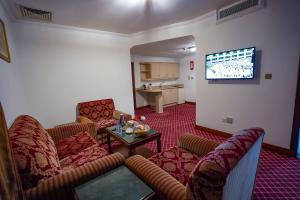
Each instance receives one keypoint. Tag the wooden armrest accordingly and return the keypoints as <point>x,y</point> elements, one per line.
<point>117,113</point>
<point>197,144</point>
<point>82,119</point>
<point>159,180</point>
<point>61,132</point>
<point>55,187</point>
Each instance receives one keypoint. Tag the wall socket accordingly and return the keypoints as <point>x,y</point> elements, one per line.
<point>228,120</point>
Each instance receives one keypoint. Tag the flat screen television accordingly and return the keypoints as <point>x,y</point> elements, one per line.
<point>234,64</point>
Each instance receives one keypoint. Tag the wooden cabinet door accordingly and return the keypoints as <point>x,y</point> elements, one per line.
<point>173,95</point>
<point>169,70</point>
<point>170,96</point>
<point>155,71</point>
<point>176,70</point>
<point>165,95</point>
<point>164,70</point>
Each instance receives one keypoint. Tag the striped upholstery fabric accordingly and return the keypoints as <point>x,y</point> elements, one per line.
<point>61,186</point>
<point>196,144</point>
<point>163,183</point>
<point>62,132</point>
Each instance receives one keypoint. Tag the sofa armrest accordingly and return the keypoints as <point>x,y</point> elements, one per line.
<point>82,119</point>
<point>61,132</point>
<point>55,187</point>
<point>196,144</point>
<point>116,115</point>
<point>159,180</point>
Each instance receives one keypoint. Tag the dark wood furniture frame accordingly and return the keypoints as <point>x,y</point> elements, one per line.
<point>133,145</point>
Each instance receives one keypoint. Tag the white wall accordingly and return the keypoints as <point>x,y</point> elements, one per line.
<point>55,67</point>
<point>141,98</point>
<point>275,31</point>
<point>188,78</point>
<point>11,90</point>
<point>61,67</point>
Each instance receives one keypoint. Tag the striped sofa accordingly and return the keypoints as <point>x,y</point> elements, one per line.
<point>102,113</point>
<point>199,168</point>
<point>38,163</point>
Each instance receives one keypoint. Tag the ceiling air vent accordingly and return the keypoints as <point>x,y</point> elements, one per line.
<point>239,8</point>
<point>36,14</point>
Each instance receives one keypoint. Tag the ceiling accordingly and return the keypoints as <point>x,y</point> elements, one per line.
<point>121,16</point>
<point>173,48</point>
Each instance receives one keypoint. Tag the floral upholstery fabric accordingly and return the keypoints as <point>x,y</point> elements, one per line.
<point>100,112</point>
<point>102,124</point>
<point>177,162</point>
<point>209,176</point>
<point>97,110</point>
<point>34,151</point>
<point>85,156</point>
<point>72,145</point>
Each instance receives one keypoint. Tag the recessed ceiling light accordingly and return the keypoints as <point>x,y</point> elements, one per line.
<point>192,49</point>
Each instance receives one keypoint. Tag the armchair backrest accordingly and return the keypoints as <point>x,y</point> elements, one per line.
<point>10,183</point>
<point>96,110</point>
<point>229,171</point>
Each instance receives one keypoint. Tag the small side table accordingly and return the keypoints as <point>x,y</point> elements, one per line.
<point>116,184</point>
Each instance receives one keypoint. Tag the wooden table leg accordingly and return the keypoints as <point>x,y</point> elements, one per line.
<point>158,144</point>
<point>159,103</point>
<point>130,151</point>
<point>109,143</point>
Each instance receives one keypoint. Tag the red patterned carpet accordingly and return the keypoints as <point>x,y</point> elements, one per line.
<point>278,176</point>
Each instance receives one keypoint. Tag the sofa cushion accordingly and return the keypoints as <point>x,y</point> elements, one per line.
<point>102,124</point>
<point>85,156</point>
<point>209,176</point>
<point>34,151</point>
<point>177,162</point>
<point>96,110</point>
<point>74,144</point>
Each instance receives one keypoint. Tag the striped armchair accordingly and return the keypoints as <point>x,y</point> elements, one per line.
<point>202,169</point>
<point>102,113</point>
<point>38,163</point>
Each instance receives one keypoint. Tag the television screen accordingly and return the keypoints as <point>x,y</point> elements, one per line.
<point>235,64</point>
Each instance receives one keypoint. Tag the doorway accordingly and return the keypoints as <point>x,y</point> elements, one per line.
<point>167,65</point>
<point>133,85</point>
<point>295,141</point>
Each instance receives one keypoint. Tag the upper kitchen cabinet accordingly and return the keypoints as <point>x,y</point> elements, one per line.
<point>159,71</point>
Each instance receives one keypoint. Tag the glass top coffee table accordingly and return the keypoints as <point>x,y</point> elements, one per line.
<point>119,183</point>
<point>131,141</point>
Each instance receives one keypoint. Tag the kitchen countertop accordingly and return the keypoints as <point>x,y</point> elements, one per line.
<point>157,89</point>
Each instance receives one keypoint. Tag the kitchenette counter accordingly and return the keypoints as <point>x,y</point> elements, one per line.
<point>162,95</point>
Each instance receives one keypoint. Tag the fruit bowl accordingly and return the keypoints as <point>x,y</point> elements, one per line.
<point>141,130</point>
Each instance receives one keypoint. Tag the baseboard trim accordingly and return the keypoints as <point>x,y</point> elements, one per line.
<point>190,102</point>
<point>148,106</point>
<point>266,146</point>
<point>214,131</point>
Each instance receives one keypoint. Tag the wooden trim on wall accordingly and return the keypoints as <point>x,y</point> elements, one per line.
<point>148,106</point>
<point>133,84</point>
<point>266,146</point>
<point>190,102</point>
<point>214,131</point>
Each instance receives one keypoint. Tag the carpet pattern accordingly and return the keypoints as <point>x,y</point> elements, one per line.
<point>278,176</point>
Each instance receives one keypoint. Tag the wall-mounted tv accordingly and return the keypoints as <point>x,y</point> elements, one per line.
<point>234,64</point>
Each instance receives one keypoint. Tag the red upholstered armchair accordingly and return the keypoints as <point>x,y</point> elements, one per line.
<point>200,169</point>
<point>102,113</point>
<point>47,164</point>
